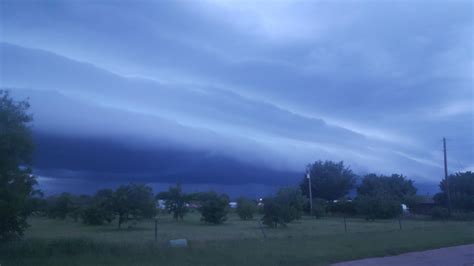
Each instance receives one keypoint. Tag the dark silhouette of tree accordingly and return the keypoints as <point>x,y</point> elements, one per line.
<point>285,207</point>
<point>62,206</point>
<point>16,181</point>
<point>175,201</point>
<point>214,207</point>
<point>461,186</point>
<point>382,196</point>
<point>133,202</point>
<point>100,208</point>
<point>329,180</point>
<point>246,208</point>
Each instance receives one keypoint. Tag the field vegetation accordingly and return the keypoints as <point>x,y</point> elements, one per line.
<point>308,241</point>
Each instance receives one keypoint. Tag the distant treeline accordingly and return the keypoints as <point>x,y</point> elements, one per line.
<point>378,197</point>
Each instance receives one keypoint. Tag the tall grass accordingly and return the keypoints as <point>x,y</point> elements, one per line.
<point>320,243</point>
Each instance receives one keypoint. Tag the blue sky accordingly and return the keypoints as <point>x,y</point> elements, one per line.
<point>267,84</point>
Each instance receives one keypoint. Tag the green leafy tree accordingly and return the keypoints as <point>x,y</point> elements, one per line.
<point>378,207</point>
<point>99,210</point>
<point>285,207</point>
<point>246,208</point>
<point>62,206</point>
<point>461,187</point>
<point>93,215</point>
<point>133,202</point>
<point>79,204</point>
<point>273,213</point>
<point>329,180</point>
<point>16,181</point>
<point>175,201</point>
<point>214,207</point>
<point>382,196</point>
<point>395,186</point>
<point>293,201</point>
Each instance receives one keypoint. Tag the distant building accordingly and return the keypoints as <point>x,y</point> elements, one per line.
<point>424,206</point>
<point>233,204</point>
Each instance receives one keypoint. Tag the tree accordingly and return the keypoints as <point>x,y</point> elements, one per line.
<point>293,201</point>
<point>99,210</point>
<point>285,207</point>
<point>61,206</point>
<point>175,201</point>
<point>272,213</point>
<point>79,204</point>
<point>246,208</point>
<point>382,196</point>
<point>133,202</point>
<point>461,187</point>
<point>378,207</point>
<point>319,207</point>
<point>396,186</point>
<point>329,180</point>
<point>16,181</point>
<point>214,207</point>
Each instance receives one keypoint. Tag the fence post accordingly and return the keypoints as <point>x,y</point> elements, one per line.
<point>400,222</point>
<point>156,229</point>
<point>262,229</point>
<point>345,225</point>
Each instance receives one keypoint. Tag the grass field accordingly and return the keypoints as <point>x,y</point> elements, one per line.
<point>306,242</point>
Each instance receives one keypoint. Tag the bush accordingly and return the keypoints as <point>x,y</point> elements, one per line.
<point>344,207</point>
<point>272,213</point>
<point>93,215</point>
<point>214,207</point>
<point>246,208</point>
<point>378,207</point>
<point>319,208</point>
<point>439,213</point>
<point>285,207</point>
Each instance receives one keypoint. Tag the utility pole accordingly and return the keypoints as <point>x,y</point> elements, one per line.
<point>308,175</point>
<point>446,179</point>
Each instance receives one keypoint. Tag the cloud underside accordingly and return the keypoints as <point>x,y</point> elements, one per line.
<point>191,93</point>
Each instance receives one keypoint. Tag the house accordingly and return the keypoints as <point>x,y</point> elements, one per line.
<point>424,206</point>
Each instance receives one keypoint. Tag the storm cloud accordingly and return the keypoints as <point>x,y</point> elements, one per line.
<point>241,92</point>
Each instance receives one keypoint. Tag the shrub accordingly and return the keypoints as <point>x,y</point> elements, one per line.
<point>272,213</point>
<point>285,207</point>
<point>343,207</point>
<point>439,213</point>
<point>319,207</point>
<point>378,207</point>
<point>214,207</point>
<point>246,208</point>
<point>93,216</point>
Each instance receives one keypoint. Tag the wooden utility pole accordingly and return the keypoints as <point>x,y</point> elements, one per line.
<point>308,175</point>
<point>446,179</point>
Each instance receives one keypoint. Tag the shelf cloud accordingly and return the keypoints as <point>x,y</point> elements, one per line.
<point>237,92</point>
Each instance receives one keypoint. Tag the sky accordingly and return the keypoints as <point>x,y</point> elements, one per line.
<point>240,95</point>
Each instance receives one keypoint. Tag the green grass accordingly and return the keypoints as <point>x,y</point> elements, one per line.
<point>306,242</point>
